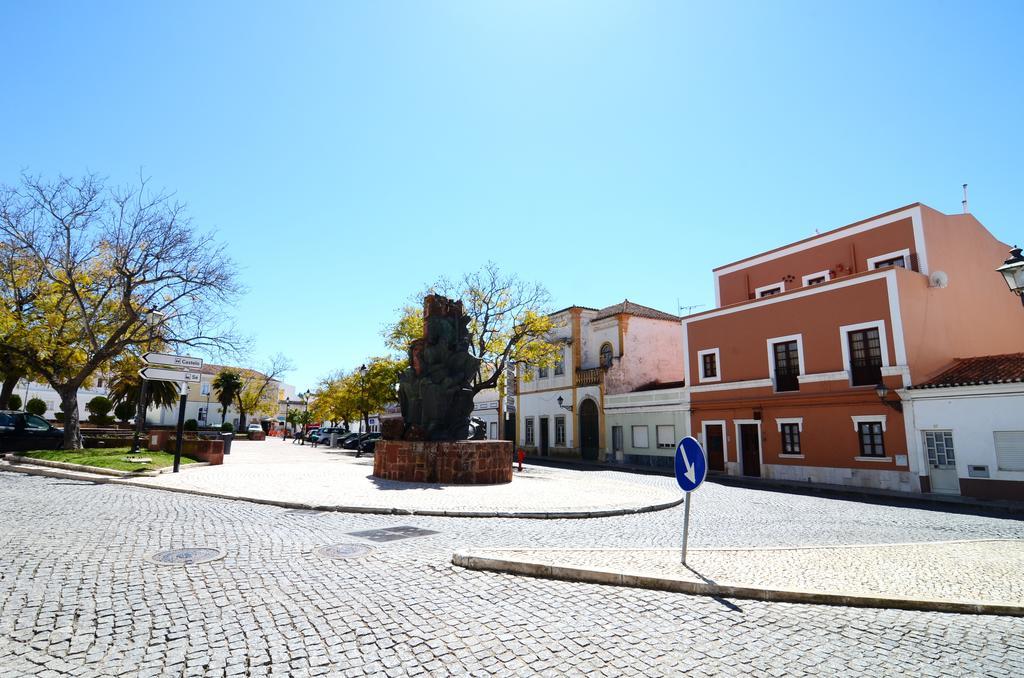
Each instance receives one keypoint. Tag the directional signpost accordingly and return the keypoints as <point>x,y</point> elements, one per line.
<point>691,470</point>
<point>171,369</point>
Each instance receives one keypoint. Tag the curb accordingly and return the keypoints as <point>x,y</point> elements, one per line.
<point>612,578</point>
<point>376,510</point>
<point>834,491</point>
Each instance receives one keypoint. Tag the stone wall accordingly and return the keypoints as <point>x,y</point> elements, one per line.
<point>463,462</point>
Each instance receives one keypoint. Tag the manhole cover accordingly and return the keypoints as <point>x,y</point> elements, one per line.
<point>343,551</point>
<point>190,556</point>
<point>393,533</point>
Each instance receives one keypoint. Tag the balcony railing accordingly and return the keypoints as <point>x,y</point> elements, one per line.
<point>865,374</point>
<point>591,377</point>
<point>787,381</point>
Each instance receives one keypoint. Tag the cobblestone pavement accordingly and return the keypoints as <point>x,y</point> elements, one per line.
<point>78,597</point>
<point>276,470</point>
<point>987,571</point>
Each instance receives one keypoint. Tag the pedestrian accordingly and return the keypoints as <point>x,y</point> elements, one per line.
<point>521,455</point>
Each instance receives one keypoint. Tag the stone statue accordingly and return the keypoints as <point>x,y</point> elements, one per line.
<point>435,391</point>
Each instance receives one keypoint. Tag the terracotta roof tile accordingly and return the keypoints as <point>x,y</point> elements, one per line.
<point>630,308</point>
<point>988,369</point>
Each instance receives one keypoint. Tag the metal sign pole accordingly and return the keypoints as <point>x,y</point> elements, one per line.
<point>140,415</point>
<point>181,426</point>
<point>686,523</point>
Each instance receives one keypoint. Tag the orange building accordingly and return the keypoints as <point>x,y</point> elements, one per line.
<point>782,374</point>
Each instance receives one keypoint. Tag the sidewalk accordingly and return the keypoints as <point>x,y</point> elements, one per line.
<point>801,487</point>
<point>299,476</point>
<point>980,577</point>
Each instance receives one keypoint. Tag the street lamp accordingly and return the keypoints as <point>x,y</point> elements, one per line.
<point>882,390</point>
<point>305,418</point>
<point>1013,272</point>
<point>564,407</point>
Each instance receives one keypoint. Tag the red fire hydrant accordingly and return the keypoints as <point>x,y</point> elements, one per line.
<point>522,455</point>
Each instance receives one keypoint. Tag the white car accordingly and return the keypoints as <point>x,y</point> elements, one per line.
<point>254,428</point>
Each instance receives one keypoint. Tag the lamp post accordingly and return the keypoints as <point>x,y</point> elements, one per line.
<point>564,407</point>
<point>882,391</point>
<point>305,417</point>
<point>1013,272</point>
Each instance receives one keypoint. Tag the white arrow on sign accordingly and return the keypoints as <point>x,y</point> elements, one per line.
<point>172,360</point>
<point>690,472</point>
<point>157,374</point>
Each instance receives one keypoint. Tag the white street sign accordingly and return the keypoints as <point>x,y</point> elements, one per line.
<point>157,374</point>
<point>181,361</point>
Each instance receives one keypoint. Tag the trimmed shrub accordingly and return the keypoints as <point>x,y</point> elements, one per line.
<point>227,427</point>
<point>99,410</point>
<point>36,406</point>
<point>58,416</point>
<point>191,425</point>
<point>14,403</point>
<point>124,411</point>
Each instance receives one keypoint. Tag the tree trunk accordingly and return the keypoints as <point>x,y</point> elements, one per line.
<point>366,422</point>
<point>241,421</point>
<point>72,431</point>
<point>7,390</point>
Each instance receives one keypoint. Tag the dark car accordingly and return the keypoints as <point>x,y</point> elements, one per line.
<point>368,444</point>
<point>347,438</point>
<point>352,442</point>
<point>21,432</point>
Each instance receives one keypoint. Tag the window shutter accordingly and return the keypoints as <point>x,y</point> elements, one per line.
<point>1009,450</point>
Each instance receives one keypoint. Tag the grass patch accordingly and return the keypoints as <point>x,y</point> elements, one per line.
<point>109,457</point>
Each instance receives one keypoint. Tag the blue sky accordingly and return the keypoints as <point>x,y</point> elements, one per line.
<point>352,151</point>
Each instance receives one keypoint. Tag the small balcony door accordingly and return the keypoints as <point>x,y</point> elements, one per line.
<point>787,366</point>
<point>865,357</point>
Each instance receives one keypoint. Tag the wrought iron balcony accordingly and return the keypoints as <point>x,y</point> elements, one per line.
<point>591,377</point>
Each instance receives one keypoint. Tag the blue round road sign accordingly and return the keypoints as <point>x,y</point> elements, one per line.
<point>691,464</point>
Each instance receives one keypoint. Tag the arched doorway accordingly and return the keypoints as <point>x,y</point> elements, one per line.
<point>589,427</point>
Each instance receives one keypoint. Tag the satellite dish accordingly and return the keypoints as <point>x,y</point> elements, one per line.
<point>938,279</point>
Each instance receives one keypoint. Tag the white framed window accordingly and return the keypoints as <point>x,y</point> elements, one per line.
<point>560,363</point>
<point>798,421</point>
<point>770,290</point>
<point>1009,450</point>
<point>708,368</point>
<point>665,436</point>
<point>868,419</point>
<point>529,430</point>
<point>869,354</point>
<point>542,372</point>
<point>786,361</point>
<point>816,278</point>
<point>560,431</point>
<point>899,258</point>
<point>640,440</point>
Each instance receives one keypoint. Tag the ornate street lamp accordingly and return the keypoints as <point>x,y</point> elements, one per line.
<point>1013,272</point>
<point>564,407</point>
<point>882,391</point>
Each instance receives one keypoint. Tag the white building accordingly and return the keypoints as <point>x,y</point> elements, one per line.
<point>26,390</point>
<point>967,428</point>
<point>202,404</point>
<point>615,350</point>
<point>486,406</point>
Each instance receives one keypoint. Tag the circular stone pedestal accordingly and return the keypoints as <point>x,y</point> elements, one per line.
<point>462,462</point>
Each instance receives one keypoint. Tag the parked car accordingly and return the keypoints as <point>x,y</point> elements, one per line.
<point>352,442</point>
<point>254,428</point>
<point>312,434</point>
<point>324,434</point>
<point>21,432</point>
<point>368,445</point>
<point>345,439</point>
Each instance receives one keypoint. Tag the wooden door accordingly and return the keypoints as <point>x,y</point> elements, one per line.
<point>715,446</point>
<point>589,438</point>
<point>750,450</point>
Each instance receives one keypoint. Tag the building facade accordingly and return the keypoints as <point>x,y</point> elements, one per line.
<point>201,403</point>
<point>782,375</point>
<point>968,425</point>
<point>560,411</point>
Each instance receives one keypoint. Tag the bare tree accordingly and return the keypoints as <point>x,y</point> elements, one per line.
<point>91,271</point>
<point>255,395</point>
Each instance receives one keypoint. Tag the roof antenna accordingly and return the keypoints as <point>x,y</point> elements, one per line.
<point>964,201</point>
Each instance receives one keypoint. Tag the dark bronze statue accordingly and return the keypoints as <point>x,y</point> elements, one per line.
<point>435,391</point>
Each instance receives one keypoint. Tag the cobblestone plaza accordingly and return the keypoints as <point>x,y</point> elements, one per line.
<point>79,594</point>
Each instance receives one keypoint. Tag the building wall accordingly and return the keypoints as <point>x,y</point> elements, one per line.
<point>975,314</point>
<point>846,251</point>
<point>650,353</point>
<point>27,390</point>
<point>972,413</point>
<point>648,409</point>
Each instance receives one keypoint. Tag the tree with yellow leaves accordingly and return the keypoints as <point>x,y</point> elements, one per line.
<point>90,272</point>
<point>509,323</point>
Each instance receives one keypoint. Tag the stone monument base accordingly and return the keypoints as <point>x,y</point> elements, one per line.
<point>458,462</point>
